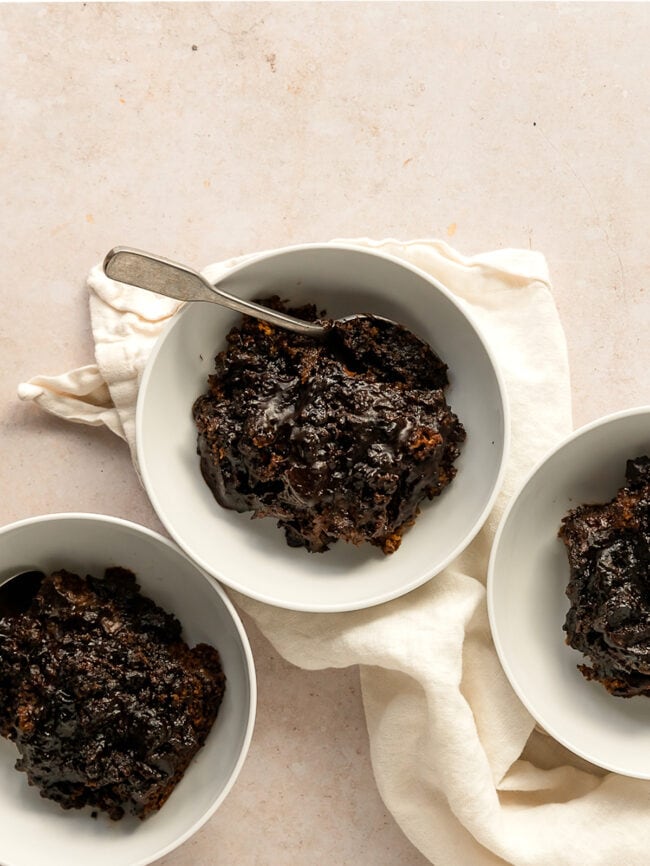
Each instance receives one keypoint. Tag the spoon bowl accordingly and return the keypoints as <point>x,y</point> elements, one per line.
<point>18,590</point>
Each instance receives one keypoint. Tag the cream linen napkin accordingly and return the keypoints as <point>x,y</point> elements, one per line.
<point>455,755</point>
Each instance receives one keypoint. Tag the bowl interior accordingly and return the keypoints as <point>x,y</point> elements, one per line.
<point>36,830</point>
<point>528,575</point>
<point>254,557</point>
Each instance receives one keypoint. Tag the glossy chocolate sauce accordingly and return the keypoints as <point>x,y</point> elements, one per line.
<point>338,439</point>
<point>105,702</point>
<point>608,546</point>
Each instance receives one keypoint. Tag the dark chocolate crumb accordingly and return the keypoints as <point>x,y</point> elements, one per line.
<point>339,439</point>
<point>608,546</point>
<point>105,702</point>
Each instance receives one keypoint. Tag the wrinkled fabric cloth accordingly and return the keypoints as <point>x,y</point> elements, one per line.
<point>457,758</point>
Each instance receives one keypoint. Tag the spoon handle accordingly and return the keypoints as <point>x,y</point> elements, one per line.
<point>160,275</point>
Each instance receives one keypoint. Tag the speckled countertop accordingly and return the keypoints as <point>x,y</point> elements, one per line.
<point>207,130</point>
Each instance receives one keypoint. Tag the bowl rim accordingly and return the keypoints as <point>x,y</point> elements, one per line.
<point>420,579</point>
<point>243,639</point>
<point>521,693</point>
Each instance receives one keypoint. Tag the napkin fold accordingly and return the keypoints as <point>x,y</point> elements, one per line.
<point>456,757</point>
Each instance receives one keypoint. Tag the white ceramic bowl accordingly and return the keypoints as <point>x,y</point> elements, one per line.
<point>253,557</point>
<point>528,575</point>
<point>37,831</point>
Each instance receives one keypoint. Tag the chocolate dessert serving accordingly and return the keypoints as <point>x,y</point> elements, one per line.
<point>335,439</point>
<point>608,546</point>
<point>105,702</point>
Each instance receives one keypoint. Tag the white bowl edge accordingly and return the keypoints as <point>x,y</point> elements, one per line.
<point>550,728</point>
<point>421,578</point>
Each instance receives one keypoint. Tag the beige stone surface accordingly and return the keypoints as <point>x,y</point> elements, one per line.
<point>207,130</point>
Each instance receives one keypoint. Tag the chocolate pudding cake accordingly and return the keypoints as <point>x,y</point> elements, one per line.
<point>341,438</point>
<point>608,546</point>
<point>105,702</point>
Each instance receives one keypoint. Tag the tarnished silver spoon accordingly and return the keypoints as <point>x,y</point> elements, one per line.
<point>18,590</point>
<point>165,277</point>
<point>160,275</point>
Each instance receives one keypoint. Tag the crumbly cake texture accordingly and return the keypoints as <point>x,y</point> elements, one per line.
<point>335,439</point>
<point>105,702</point>
<point>608,546</point>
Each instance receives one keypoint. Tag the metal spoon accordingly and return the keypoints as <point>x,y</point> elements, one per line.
<point>18,590</point>
<point>157,274</point>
